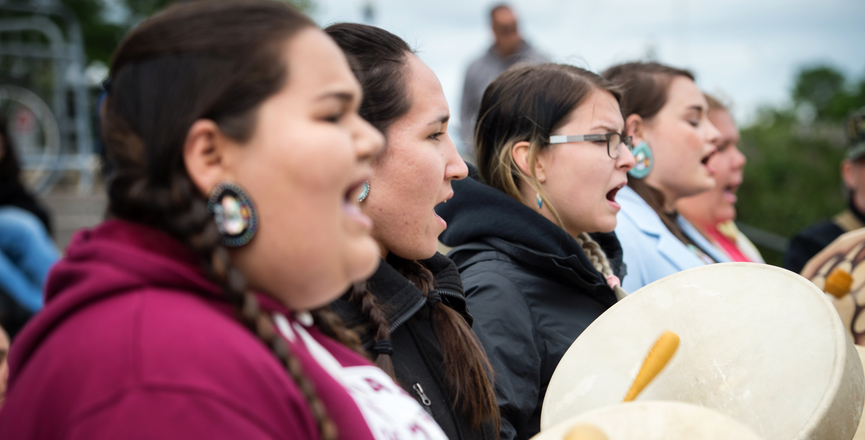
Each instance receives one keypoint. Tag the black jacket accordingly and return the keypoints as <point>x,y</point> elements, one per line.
<point>813,239</point>
<point>531,290</point>
<point>417,356</point>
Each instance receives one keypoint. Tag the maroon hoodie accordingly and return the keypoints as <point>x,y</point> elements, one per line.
<point>135,343</point>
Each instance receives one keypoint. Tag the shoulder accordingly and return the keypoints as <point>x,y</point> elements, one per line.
<point>151,345</point>
<point>820,233</point>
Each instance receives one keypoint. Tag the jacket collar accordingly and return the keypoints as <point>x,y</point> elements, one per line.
<point>480,216</point>
<point>646,220</point>
<point>401,299</point>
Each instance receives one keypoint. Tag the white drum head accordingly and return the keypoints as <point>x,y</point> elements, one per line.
<point>654,421</point>
<point>758,343</point>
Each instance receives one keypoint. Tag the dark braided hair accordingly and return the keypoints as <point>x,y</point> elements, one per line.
<point>378,59</point>
<point>202,60</point>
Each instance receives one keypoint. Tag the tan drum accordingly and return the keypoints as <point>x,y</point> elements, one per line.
<point>860,433</point>
<point>758,343</point>
<point>848,253</point>
<point>654,421</point>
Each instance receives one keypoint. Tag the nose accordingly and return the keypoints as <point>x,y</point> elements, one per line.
<point>713,136</point>
<point>626,159</point>
<point>455,166</point>
<point>369,141</point>
<point>739,159</point>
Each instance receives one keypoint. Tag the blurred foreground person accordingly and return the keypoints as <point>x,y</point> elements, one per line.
<point>814,238</point>
<point>551,158</point>
<point>238,151</point>
<point>712,212</point>
<point>508,49</point>
<point>667,115</point>
<point>411,314</point>
<point>27,251</point>
<point>4,363</point>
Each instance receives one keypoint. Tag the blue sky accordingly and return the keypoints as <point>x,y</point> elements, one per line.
<point>747,50</point>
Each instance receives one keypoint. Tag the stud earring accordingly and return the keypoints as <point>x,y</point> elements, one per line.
<point>540,201</point>
<point>644,161</point>
<point>234,214</point>
<point>364,193</point>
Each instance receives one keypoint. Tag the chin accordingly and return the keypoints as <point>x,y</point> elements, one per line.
<point>362,260</point>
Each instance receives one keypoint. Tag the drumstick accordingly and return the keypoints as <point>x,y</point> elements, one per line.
<point>657,359</point>
<point>838,283</point>
<point>585,432</point>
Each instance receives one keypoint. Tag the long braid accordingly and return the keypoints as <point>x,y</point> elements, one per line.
<point>467,368</point>
<point>377,319</point>
<point>599,260</point>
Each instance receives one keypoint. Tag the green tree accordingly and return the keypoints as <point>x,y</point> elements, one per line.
<point>793,177</point>
<point>102,35</point>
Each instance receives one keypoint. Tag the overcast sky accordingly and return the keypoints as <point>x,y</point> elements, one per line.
<point>748,50</point>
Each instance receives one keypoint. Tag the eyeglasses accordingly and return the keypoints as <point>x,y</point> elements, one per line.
<point>614,141</point>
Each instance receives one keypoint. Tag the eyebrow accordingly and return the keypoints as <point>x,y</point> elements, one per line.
<point>440,120</point>
<point>342,96</point>
<point>698,108</point>
<point>609,128</point>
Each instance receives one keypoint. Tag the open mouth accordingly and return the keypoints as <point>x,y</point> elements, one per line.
<point>705,159</point>
<point>611,195</point>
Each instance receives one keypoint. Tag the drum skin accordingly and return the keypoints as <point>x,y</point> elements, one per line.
<point>654,421</point>
<point>758,343</point>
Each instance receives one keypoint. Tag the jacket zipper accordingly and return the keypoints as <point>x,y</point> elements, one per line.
<point>405,317</point>
<point>423,398</point>
<point>456,295</point>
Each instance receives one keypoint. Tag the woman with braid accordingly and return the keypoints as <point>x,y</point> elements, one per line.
<point>193,312</point>
<point>532,231</point>
<point>411,314</point>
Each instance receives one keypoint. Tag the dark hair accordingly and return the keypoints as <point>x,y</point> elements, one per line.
<point>526,104</point>
<point>10,170</point>
<point>379,61</point>
<point>646,86</point>
<point>200,60</point>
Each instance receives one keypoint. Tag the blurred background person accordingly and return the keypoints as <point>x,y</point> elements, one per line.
<point>27,251</point>
<point>411,314</point>
<point>667,116</point>
<point>508,49</point>
<point>712,212</point>
<point>814,238</point>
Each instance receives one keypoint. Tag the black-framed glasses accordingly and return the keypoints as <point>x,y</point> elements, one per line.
<point>614,141</point>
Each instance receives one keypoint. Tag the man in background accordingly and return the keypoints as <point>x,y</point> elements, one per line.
<point>814,238</point>
<point>508,49</point>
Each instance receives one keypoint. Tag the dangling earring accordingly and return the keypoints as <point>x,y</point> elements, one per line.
<point>234,214</point>
<point>645,161</point>
<point>364,193</point>
<point>540,201</point>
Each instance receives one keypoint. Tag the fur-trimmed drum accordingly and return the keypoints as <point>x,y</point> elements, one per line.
<point>758,343</point>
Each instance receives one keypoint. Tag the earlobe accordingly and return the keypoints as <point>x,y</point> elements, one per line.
<point>203,155</point>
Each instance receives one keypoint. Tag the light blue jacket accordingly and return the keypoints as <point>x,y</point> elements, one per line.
<point>651,250</point>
